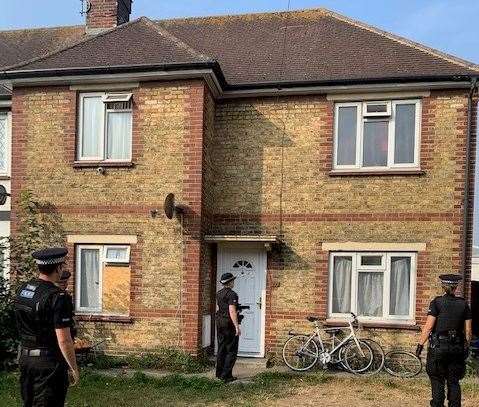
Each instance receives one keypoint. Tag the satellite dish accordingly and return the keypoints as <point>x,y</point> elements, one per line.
<point>170,206</point>
<point>3,195</point>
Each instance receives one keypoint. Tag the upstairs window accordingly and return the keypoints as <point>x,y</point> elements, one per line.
<point>377,135</point>
<point>105,127</point>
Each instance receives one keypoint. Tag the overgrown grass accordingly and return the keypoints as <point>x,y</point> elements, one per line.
<point>172,390</point>
<point>171,360</point>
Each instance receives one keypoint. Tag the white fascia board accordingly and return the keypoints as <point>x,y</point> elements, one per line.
<point>6,103</point>
<point>345,89</point>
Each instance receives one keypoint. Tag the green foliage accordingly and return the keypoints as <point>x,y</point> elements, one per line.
<point>37,229</point>
<point>172,360</point>
<point>472,367</point>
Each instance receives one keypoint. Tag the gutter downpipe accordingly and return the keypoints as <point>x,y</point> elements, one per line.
<point>466,220</point>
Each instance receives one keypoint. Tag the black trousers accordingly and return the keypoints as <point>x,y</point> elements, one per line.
<point>443,369</point>
<point>43,381</point>
<point>227,351</point>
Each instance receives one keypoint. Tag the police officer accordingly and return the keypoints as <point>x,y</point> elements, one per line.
<point>63,284</point>
<point>227,328</point>
<point>449,329</point>
<point>44,319</point>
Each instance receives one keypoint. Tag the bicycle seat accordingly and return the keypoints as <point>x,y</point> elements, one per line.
<point>333,331</point>
<point>312,319</point>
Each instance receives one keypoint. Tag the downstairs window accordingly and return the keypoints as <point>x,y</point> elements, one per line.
<point>375,286</point>
<point>102,279</point>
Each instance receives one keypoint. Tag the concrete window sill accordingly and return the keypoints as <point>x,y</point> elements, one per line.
<point>103,318</point>
<point>385,173</point>
<point>105,164</point>
<point>406,325</point>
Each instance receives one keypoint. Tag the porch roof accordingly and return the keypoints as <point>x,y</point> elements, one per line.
<point>242,238</point>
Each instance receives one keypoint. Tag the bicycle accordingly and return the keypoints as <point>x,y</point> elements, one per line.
<point>403,364</point>
<point>301,352</point>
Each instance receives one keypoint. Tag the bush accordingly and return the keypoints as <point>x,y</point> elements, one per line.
<point>8,332</point>
<point>37,229</point>
<point>172,360</point>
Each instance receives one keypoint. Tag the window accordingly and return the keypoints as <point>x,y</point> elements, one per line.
<point>377,135</point>
<point>4,143</point>
<point>375,286</point>
<point>105,127</point>
<point>103,279</point>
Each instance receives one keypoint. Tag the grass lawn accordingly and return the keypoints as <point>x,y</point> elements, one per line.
<point>267,389</point>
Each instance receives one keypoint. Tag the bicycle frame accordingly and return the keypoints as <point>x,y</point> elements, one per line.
<point>317,334</point>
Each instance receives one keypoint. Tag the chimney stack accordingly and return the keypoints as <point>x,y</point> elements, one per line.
<point>104,14</point>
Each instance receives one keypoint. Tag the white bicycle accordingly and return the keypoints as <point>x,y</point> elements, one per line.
<point>301,352</point>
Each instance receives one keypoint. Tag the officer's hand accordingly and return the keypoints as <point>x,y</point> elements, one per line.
<point>74,376</point>
<point>419,349</point>
<point>238,331</point>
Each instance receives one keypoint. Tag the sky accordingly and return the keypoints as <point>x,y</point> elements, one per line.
<point>449,25</point>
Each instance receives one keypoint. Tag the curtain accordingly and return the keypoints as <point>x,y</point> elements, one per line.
<point>116,253</point>
<point>375,144</point>
<point>370,294</point>
<point>400,285</point>
<point>92,127</point>
<point>90,278</point>
<point>347,130</point>
<point>119,135</point>
<point>404,134</point>
<point>342,284</point>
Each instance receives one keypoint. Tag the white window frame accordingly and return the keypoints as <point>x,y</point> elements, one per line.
<point>357,268</point>
<point>387,113</point>
<point>120,261</point>
<point>102,262</point>
<point>8,143</point>
<point>116,97</point>
<point>391,119</point>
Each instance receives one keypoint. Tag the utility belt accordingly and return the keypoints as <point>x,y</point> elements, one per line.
<point>451,337</point>
<point>39,352</point>
<point>447,344</point>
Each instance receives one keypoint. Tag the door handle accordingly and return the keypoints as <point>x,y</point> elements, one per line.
<point>260,303</point>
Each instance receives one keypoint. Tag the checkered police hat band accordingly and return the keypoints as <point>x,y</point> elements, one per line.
<point>57,260</point>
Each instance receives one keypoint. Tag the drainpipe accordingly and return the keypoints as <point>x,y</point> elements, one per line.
<point>466,220</point>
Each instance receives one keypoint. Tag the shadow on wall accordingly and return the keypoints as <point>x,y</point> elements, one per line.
<point>247,162</point>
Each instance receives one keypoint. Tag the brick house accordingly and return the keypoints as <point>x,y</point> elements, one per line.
<point>325,162</point>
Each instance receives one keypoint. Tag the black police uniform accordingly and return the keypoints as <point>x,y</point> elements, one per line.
<point>226,333</point>
<point>446,354</point>
<point>40,308</point>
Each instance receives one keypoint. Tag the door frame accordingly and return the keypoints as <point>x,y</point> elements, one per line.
<point>222,250</point>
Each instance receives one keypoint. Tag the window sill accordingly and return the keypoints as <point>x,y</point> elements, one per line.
<point>406,325</point>
<point>103,318</point>
<point>105,164</point>
<point>368,173</point>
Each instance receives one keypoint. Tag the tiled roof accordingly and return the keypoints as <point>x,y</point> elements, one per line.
<point>318,46</point>
<point>4,91</point>
<point>137,43</point>
<point>22,45</point>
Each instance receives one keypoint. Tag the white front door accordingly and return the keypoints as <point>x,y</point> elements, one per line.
<point>248,264</point>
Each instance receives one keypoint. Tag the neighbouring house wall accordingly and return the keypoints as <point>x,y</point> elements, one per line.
<point>167,153</point>
<point>318,207</point>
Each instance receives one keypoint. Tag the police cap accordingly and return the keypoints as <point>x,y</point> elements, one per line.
<point>226,278</point>
<point>450,279</point>
<point>53,255</point>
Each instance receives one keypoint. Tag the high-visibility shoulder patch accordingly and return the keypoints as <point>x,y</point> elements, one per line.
<point>27,294</point>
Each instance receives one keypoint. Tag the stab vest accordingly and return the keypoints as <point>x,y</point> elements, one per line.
<point>34,314</point>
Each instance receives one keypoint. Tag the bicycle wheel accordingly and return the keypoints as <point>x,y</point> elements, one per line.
<point>357,359</point>
<point>378,358</point>
<point>299,354</point>
<point>402,364</point>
